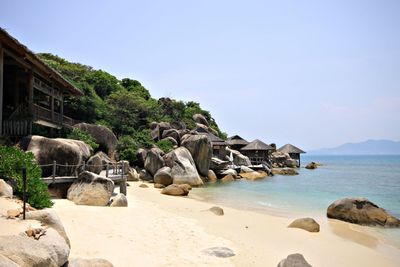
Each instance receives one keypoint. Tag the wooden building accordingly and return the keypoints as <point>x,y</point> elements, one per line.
<point>218,145</point>
<point>293,151</point>
<point>31,92</point>
<point>257,151</point>
<point>236,142</point>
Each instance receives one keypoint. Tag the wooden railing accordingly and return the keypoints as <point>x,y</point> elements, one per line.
<point>46,114</point>
<point>17,127</point>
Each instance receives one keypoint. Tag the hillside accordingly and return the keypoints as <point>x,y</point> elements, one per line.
<point>369,147</point>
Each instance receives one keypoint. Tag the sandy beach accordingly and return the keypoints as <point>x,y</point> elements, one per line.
<point>160,230</point>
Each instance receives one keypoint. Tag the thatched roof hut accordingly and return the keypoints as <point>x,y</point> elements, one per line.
<point>237,142</point>
<point>257,145</point>
<point>291,149</point>
<point>257,151</point>
<point>215,140</point>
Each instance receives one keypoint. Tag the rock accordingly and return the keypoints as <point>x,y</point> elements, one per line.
<point>361,211</point>
<point>153,125</point>
<point>307,224</point>
<point>176,190</point>
<point>145,176</point>
<point>178,125</point>
<point>218,165</point>
<point>163,176</point>
<point>141,157</point>
<point>133,175</point>
<point>91,189</point>
<point>171,140</point>
<point>48,217</point>
<point>104,137</point>
<point>5,189</point>
<point>63,151</point>
<point>183,132</point>
<point>279,158</point>
<point>171,133</point>
<point>238,158</point>
<point>50,250</point>
<point>183,168</point>
<point>220,252</point>
<point>254,175</point>
<point>143,186</point>
<point>284,171</point>
<point>231,172</point>
<point>159,186</point>
<point>119,200</point>
<point>311,166</point>
<point>125,165</point>
<point>294,260</point>
<point>291,163</point>
<point>199,118</point>
<point>200,148</point>
<point>94,164</point>
<point>211,175</point>
<point>153,162</point>
<point>96,262</point>
<point>186,187</point>
<point>217,211</point>
<point>228,178</point>
<point>163,126</point>
<point>244,169</point>
<point>13,213</point>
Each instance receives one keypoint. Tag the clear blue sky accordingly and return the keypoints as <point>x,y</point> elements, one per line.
<point>312,73</point>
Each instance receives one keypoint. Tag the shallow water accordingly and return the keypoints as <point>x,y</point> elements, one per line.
<point>312,191</point>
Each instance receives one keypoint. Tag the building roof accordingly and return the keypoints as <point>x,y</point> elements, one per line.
<point>236,140</point>
<point>215,140</point>
<point>257,145</point>
<point>288,148</point>
<point>14,47</point>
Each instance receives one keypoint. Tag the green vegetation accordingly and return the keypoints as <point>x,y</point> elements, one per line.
<point>125,106</point>
<point>12,160</point>
<point>78,134</point>
<point>165,145</point>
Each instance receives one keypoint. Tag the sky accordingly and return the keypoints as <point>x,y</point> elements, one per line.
<point>311,73</point>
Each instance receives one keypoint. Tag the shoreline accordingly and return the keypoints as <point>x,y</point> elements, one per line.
<point>160,230</point>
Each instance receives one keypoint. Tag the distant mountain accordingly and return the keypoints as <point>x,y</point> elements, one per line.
<point>369,147</point>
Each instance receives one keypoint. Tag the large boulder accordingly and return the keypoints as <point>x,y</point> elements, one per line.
<point>5,189</point>
<point>49,218</point>
<point>254,175</point>
<point>361,211</point>
<point>133,175</point>
<point>284,171</point>
<point>119,200</point>
<point>141,155</point>
<point>178,125</point>
<point>278,158</point>
<point>171,133</point>
<point>200,148</point>
<point>163,126</point>
<point>64,151</point>
<point>183,168</point>
<point>91,189</point>
<point>104,136</point>
<point>176,190</point>
<point>238,158</point>
<point>199,118</point>
<point>294,260</point>
<point>145,175</point>
<point>218,165</point>
<point>307,224</point>
<point>94,164</point>
<point>171,140</point>
<point>96,262</point>
<point>163,176</point>
<point>211,175</point>
<point>291,163</point>
<point>153,161</point>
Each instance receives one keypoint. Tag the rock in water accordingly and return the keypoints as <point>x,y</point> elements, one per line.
<point>220,252</point>
<point>312,166</point>
<point>163,176</point>
<point>63,151</point>
<point>104,137</point>
<point>96,262</point>
<point>119,200</point>
<point>91,189</point>
<point>211,175</point>
<point>153,161</point>
<point>183,168</point>
<point>217,211</point>
<point>200,148</point>
<point>5,189</point>
<point>307,224</point>
<point>176,190</point>
<point>361,211</point>
<point>284,171</point>
<point>254,175</point>
<point>294,260</point>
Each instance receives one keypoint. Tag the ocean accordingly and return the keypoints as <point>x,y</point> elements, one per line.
<point>312,191</point>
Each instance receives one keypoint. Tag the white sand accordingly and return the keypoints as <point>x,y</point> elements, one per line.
<point>160,230</point>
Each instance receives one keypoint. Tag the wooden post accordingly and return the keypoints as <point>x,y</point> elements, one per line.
<point>122,185</point>
<point>24,191</point>
<point>54,171</point>
<point>1,87</point>
<point>30,92</point>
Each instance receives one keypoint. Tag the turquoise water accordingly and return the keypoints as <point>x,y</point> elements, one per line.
<point>312,191</point>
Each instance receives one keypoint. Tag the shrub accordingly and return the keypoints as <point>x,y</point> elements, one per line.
<point>165,145</point>
<point>12,160</point>
<point>127,149</point>
<point>78,134</point>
